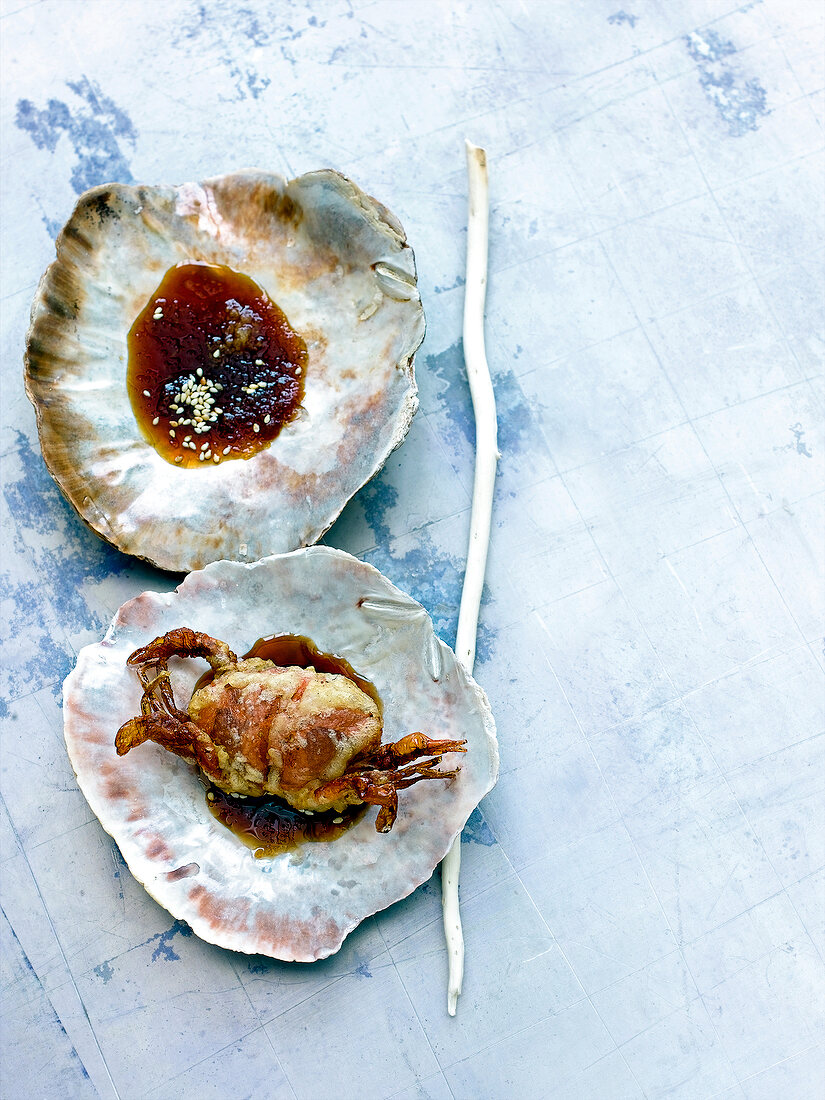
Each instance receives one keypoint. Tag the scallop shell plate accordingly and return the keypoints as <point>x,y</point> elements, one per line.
<point>338,265</point>
<point>301,904</point>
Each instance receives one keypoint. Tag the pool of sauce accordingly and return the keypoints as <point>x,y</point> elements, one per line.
<point>269,825</point>
<point>214,368</point>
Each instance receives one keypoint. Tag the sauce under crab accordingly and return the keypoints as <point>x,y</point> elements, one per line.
<point>306,739</point>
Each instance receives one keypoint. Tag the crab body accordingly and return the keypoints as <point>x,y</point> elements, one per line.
<point>256,728</point>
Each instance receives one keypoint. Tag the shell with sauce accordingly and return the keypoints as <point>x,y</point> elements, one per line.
<point>334,260</point>
<point>301,904</point>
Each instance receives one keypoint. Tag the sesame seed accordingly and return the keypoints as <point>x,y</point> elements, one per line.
<point>173,423</point>
<point>297,370</point>
<point>216,354</point>
<point>216,458</point>
<point>146,393</point>
<point>256,427</point>
<point>267,418</point>
<point>210,796</point>
<point>337,820</point>
<point>171,433</point>
<point>156,420</point>
<point>208,455</point>
<point>259,362</point>
<point>201,456</point>
<point>178,458</point>
<point>226,450</point>
<point>204,446</point>
<point>199,372</point>
<point>186,438</point>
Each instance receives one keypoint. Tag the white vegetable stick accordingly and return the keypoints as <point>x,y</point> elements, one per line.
<point>484,406</point>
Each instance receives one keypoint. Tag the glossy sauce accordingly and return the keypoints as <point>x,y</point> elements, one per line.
<point>269,825</point>
<point>214,369</point>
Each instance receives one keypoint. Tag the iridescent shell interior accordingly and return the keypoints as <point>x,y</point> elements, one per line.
<point>338,265</point>
<point>301,904</point>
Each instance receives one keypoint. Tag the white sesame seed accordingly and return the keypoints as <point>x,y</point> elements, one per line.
<point>201,457</point>
<point>216,458</point>
<point>226,450</point>
<point>207,455</point>
<point>256,427</point>
<point>204,446</point>
<point>171,433</point>
<point>337,820</point>
<point>186,438</point>
<point>297,370</point>
<point>156,420</point>
<point>146,393</point>
<point>178,458</point>
<point>199,372</point>
<point>259,362</point>
<point>267,418</point>
<point>173,423</point>
<point>216,354</point>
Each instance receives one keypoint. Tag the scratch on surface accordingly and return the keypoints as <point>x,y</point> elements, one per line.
<point>749,479</point>
<point>722,891</point>
<point>679,581</point>
<point>541,954</point>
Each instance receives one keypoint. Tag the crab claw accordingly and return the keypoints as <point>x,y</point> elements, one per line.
<point>173,732</point>
<point>183,642</point>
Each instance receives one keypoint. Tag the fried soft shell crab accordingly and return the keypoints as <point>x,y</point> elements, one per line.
<point>256,728</point>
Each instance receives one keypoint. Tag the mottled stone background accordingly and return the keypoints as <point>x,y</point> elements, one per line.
<point>643,892</point>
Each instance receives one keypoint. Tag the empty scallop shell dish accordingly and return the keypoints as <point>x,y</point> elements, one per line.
<point>336,266</point>
<point>298,904</point>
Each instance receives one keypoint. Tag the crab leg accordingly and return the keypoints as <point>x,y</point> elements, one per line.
<point>407,749</point>
<point>160,719</point>
<point>181,737</point>
<point>377,779</point>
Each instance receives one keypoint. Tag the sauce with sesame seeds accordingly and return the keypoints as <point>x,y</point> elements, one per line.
<point>214,370</point>
<point>268,825</point>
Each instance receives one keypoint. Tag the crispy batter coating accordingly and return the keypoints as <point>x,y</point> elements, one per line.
<point>284,731</point>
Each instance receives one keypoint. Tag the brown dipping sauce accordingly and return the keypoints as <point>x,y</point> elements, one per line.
<point>269,825</point>
<point>214,370</point>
